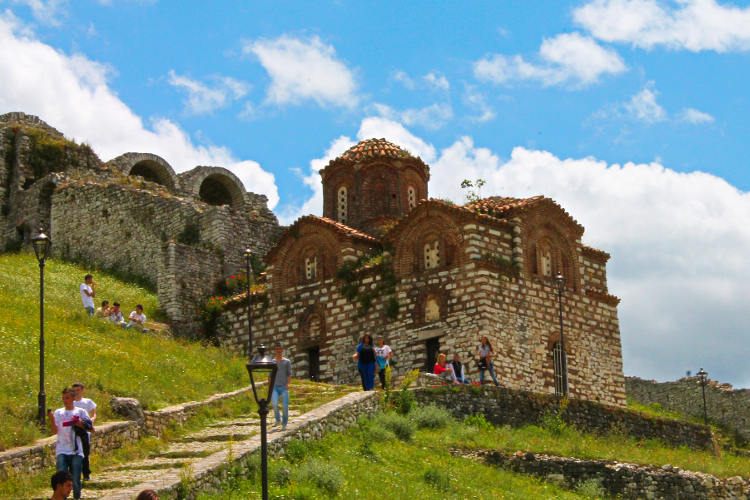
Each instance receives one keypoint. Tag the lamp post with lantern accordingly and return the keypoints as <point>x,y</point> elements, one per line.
<point>560,286</point>
<point>703,376</point>
<point>42,244</point>
<point>263,368</point>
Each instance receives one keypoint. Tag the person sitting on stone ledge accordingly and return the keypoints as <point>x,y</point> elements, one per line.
<point>104,310</point>
<point>458,370</point>
<point>115,315</point>
<point>443,370</point>
<point>137,319</point>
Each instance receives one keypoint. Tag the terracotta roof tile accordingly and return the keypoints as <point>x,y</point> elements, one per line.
<point>338,226</point>
<point>374,148</point>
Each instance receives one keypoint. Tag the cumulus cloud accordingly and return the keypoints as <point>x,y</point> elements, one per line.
<point>431,117</point>
<point>695,117</point>
<point>204,98</point>
<point>478,101</point>
<point>566,59</point>
<point>694,25</point>
<point>437,81</point>
<point>71,93</point>
<point>304,69</point>
<point>49,12</point>
<point>643,106</point>
<point>432,81</point>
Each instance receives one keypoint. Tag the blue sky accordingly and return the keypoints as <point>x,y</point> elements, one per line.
<point>630,113</point>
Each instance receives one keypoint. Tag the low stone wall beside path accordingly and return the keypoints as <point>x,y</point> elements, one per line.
<point>503,406</point>
<point>209,473</point>
<point>34,458</point>
<point>627,481</point>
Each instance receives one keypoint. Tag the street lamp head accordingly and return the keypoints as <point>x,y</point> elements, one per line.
<point>559,281</point>
<point>248,255</point>
<point>262,368</point>
<point>703,375</point>
<point>42,244</point>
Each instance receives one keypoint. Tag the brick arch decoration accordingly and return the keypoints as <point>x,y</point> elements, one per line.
<point>341,177</point>
<point>307,338</point>
<point>379,191</point>
<point>410,177</point>
<point>563,252</point>
<point>214,185</point>
<point>408,247</point>
<point>290,260</point>
<point>151,167</point>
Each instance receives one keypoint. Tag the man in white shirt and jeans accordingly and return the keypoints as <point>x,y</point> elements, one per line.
<point>69,449</point>
<point>88,294</point>
<point>90,407</point>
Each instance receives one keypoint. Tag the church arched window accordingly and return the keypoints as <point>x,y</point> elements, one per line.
<point>342,205</point>
<point>311,268</point>
<point>412,197</point>
<point>432,254</point>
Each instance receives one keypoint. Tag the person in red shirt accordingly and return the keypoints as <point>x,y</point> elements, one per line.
<point>442,369</point>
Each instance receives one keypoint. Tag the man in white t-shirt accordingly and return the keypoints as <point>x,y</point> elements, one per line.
<point>69,449</point>
<point>137,319</point>
<point>88,294</point>
<point>80,402</point>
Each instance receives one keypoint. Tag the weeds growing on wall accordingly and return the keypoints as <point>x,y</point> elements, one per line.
<point>353,290</point>
<point>505,265</point>
<point>190,234</point>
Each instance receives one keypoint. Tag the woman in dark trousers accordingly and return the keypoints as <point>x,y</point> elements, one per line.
<point>365,357</point>
<point>485,360</point>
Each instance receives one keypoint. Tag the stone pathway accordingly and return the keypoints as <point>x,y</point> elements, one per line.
<point>215,439</point>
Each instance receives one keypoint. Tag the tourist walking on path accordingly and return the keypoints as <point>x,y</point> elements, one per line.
<point>383,354</point>
<point>365,357</point>
<point>485,360</point>
<point>80,402</point>
<point>69,448</point>
<point>281,386</point>
<point>88,293</point>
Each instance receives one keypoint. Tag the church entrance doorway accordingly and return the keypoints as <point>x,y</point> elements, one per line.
<point>313,363</point>
<point>433,349</point>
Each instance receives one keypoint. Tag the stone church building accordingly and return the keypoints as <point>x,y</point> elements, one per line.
<point>433,277</point>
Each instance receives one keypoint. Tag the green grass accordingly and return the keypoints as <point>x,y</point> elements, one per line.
<point>154,368</point>
<point>337,467</point>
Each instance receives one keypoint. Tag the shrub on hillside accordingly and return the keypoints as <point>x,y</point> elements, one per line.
<point>437,478</point>
<point>430,417</point>
<point>321,474</point>
<point>401,426</point>
<point>477,421</point>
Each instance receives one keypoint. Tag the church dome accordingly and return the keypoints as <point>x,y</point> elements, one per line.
<point>374,148</point>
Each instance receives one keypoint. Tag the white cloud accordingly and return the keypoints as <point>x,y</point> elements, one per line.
<point>431,117</point>
<point>567,59</point>
<point>378,127</point>
<point>695,117</point>
<point>478,101</point>
<point>49,12</point>
<point>303,70</point>
<point>404,79</point>
<point>71,93</point>
<point>693,25</point>
<point>643,106</point>
<point>437,81</point>
<point>202,98</point>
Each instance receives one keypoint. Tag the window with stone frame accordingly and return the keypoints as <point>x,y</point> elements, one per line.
<point>342,205</point>
<point>411,194</point>
<point>431,309</point>
<point>432,254</point>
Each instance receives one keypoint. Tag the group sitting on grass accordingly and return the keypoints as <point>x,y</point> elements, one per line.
<point>112,313</point>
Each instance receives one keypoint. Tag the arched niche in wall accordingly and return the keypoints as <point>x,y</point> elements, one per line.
<point>550,252</point>
<point>433,243</point>
<point>214,186</point>
<point>148,166</point>
<point>431,305</point>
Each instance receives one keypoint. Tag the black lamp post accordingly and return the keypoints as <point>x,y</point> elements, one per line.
<point>263,368</point>
<point>249,269</point>
<point>703,376</point>
<point>42,244</point>
<point>560,285</point>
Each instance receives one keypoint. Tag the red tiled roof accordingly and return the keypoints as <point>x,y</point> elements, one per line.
<point>339,227</point>
<point>499,206</point>
<point>374,148</point>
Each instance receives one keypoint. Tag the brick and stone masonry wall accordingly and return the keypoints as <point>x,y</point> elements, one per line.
<point>478,297</point>
<point>503,406</point>
<point>623,480</point>
<point>31,459</point>
<point>725,405</point>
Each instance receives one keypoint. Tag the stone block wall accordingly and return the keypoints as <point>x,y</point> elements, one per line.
<point>623,480</point>
<point>503,406</point>
<point>725,405</point>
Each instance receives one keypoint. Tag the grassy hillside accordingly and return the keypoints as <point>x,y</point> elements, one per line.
<point>110,361</point>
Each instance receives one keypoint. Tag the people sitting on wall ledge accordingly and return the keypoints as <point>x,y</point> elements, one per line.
<point>443,370</point>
